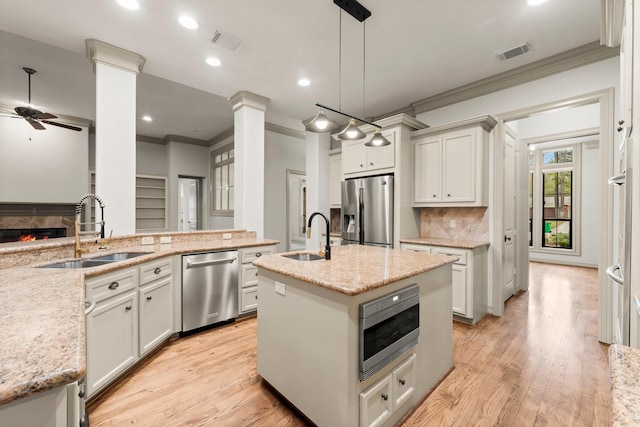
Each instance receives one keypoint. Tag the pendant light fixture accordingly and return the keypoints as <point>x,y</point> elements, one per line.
<point>321,123</point>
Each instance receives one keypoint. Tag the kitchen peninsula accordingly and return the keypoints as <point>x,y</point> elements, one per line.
<point>310,334</point>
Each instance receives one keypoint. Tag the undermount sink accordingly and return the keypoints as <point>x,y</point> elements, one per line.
<point>304,257</point>
<point>95,262</point>
<point>121,256</point>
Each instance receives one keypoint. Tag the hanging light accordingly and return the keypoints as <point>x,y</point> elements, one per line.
<point>321,123</point>
<point>378,140</point>
<point>351,132</point>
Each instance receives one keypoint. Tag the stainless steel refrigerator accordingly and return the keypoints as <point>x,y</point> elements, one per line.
<point>367,211</point>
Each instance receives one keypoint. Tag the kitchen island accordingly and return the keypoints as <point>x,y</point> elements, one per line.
<point>309,332</point>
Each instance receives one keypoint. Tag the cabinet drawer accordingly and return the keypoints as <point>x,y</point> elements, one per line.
<point>111,284</point>
<point>459,253</point>
<point>251,254</point>
<point>415,247</point>
<point>404,380</point>
<point>155,270</point>
<point>376,403</point>
<point>249,276</point>
<point>248,299</point>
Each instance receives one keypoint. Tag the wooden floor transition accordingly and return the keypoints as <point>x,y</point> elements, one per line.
<point>538,365</point>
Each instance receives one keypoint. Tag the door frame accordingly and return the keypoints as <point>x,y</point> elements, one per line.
<point>200,196</point>
<point>605,98</point>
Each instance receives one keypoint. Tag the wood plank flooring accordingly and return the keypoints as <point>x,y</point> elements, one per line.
<point>538,365</point>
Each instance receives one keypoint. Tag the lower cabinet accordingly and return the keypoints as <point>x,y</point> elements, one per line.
<point>133,314</point>
<point>248,278</point>
<point>469,278</point>
<point>378,402</point>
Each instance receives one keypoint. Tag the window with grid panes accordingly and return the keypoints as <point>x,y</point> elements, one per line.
<point>222,169</point>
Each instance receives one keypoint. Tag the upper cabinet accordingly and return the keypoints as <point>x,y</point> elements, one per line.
<point>357,157</point>
<point>451,164</point>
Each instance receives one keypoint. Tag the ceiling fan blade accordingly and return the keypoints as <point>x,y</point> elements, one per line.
<point>62,125</point>
<point>36,125</point>
<point>45,116</point>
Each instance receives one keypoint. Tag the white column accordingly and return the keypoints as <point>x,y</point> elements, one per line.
<point>248,123</point>
<point>318,145</point>
<point>116,71</point>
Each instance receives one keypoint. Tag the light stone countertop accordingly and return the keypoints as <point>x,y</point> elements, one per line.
<point>624,380</point>
<point>449,243</point>
<point>355,269</point>
<point>42,320</point>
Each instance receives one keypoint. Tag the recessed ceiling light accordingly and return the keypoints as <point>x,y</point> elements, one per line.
<point>147,118</point>
<point>304,82</point>
<point>188,22</point>
<point>214,62</point>
<point>535,2</point>
<point>129,4</point>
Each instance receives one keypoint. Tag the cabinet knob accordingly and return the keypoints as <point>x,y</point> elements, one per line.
<point>256,296</point>
<point>114,285</point>
<point>258,254</point>
<point>127,308</point>
<point>256,274</point>
<point>448,195</point>
<point>149,298</point>
<point>370,164</point>
<point>435,195</point>
<point>385,396</point>
<point>620,129</point>
<point>157,270</point>
<point>620,122</point>
<point>361,165</point>
<point>402,381</point>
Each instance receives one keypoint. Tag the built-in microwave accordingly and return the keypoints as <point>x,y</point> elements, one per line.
<point>389,326</point>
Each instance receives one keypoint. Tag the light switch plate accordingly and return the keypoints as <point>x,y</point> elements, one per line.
<point>147,240</point>
<point>281,288</point>
<point>452,223</point>
<point>165,239</point>
<point>226,236</point>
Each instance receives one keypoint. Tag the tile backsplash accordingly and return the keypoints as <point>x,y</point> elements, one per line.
<point>470,223</point>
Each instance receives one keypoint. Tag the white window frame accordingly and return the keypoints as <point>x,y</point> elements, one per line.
<point>230,160</point>
<point>538,169</point>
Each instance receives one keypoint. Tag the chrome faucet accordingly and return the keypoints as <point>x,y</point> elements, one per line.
<point>77,252</point>
<point>327,248</point>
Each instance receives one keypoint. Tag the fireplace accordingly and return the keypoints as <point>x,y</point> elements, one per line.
<point>36,221</point>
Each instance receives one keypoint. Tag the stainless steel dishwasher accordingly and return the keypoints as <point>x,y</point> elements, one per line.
<point>209,288</point>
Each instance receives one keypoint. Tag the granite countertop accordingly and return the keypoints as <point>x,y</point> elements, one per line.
<point>42,320</point>
<point>355,269</point>
<point>624,378</point>
<point>449,243</point>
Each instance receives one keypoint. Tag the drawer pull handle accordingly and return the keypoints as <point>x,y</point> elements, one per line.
<point>402,381</point>
<point>127,308</point>
<point>385,396</point>
<point>258,254</point>
<point>114,285</point>
<point>256,296</point>
<point>149,298</point>
<point>256,274</point>
<point>157,270</point>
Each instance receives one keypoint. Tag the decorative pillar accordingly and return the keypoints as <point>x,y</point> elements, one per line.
<point>248,124</point>
<point>116,72</point>
<point>318,178</point>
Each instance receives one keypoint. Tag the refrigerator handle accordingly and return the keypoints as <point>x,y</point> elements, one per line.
<point>361,215</point>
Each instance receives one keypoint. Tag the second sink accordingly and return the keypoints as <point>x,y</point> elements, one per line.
<point>304,257</point>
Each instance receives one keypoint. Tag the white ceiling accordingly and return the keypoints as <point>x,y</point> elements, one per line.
<point>413,50</point>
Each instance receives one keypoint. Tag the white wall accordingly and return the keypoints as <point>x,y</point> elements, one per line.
<point>191,160</point>
<point>42,166</point>
<point>282,152</point>
<point>151,159</point>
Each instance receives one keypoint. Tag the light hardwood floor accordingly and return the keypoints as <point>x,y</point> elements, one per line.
<point>538,365</point>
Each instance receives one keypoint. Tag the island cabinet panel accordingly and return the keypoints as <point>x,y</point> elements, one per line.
<point>308,348</point>
<point>45,409</point>
<point>248,278</point>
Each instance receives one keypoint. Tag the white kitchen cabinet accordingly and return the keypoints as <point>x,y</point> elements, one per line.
<point>358,158</point>
<point>112,339</point>
<point>451,165</point>
<point>382,398</point>
<point>335,176</point>
<point>248,278</point>
<point>469,279</point>
<point>335,241</point>
<point>156,313</point>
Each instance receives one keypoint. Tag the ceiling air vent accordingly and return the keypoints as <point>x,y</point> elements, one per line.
<point>516,51</point>
<point>225,40</point>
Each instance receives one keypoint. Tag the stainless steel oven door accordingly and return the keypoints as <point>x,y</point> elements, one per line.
<point>389,326</point>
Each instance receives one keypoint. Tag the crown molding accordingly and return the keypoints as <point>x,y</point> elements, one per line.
<point>272,127</point>
<point>244,98</point>
<point>486,122</point>
<point>221,136</point>
<point>578,57</point>
<point>395,120</point>
<point>150,139</point>
<point>186,140</point>
<point>105,53</point>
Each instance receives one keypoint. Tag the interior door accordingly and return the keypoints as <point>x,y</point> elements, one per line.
<point>509,240</point>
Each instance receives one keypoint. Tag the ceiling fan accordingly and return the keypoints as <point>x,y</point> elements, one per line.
<point>36,117</point>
